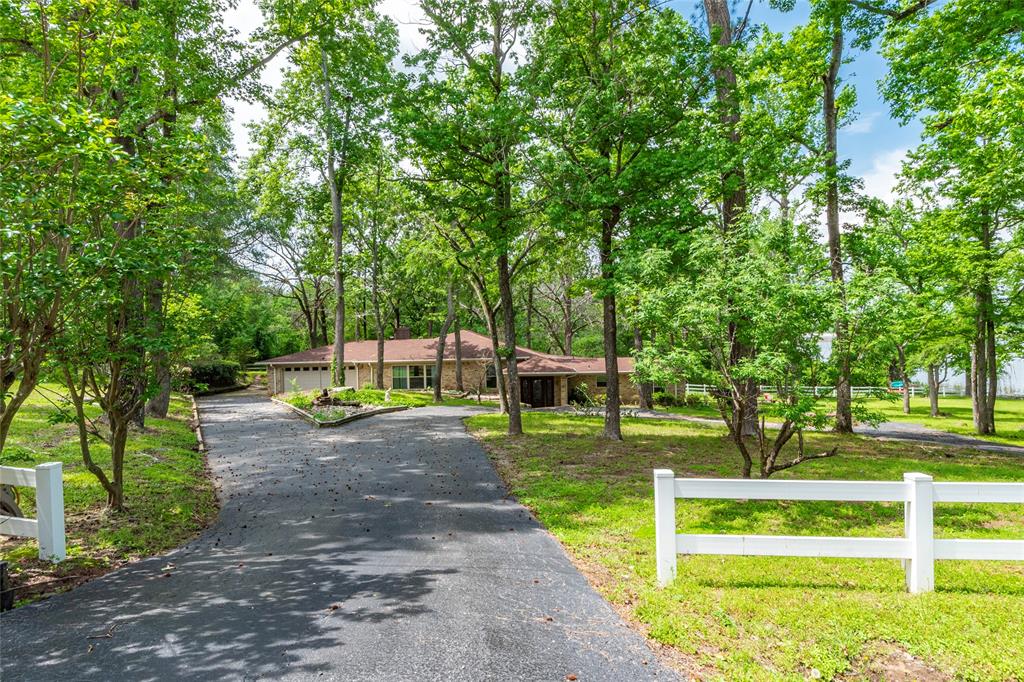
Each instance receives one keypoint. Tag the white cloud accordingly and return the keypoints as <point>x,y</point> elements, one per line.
<point>880,181</point>
<point>864,124</point>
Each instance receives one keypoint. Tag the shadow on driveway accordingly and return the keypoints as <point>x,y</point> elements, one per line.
<point>385,549</point>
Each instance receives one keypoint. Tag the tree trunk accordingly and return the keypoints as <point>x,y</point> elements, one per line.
<point>336,187</point>
<point>612,414</point>
<point>933,389</point>
<point>160,403</point>
<point>515,419</point>
<point>378,320</point>
<point>841,343</point>
<point>984,365</point>
<point>734,199</point>
<point>567,330</point>
<point>645,389</point>
<point>458,356</point>
<point>487,312</point>
<point>529,316</point>
<point>442,340</point>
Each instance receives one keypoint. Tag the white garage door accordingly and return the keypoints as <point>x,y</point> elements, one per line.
<point>306,378</point>
<point>314,378</point>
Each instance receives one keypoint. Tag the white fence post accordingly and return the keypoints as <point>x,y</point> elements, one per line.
<point>665,525</point>
<point>50,511</point>
<point>918,520</point>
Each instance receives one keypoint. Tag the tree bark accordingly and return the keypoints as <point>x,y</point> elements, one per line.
<point>612,413</point>
<point>568,332</point>
<point>442,340</point>
<point>933,389</point>
<point>336,187</point>
<point>983,356</point>
<point>529,316</point>
<point>375,267</point>
<point>515,419</point>
<point>160,403</point>
<point>734,200</point>
<point>841,342</point>
<point>487,312</point>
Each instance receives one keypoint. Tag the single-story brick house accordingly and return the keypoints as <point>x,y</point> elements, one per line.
<point>545,380</point>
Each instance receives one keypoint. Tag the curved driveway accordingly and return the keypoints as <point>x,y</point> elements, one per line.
<point>383,550</point>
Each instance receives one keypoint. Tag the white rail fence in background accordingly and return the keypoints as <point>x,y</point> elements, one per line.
<point>48,526</point>
<point>918,548</point>
<point>823,391</point>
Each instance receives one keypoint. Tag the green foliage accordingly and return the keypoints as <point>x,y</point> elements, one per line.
<point>213,373</point>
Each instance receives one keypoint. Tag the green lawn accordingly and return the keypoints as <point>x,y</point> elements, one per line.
<point>168,494</point>
<point>956,416</point>
<point>771,618</point>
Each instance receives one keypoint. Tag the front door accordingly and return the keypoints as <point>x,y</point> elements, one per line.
<point>537,391</point>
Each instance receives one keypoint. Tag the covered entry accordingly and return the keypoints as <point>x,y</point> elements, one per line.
<point>537,391</point>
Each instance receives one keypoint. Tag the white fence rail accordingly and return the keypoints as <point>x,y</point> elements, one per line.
<point>48,526</point>
<point>918,549</point>
<point>823,391</point>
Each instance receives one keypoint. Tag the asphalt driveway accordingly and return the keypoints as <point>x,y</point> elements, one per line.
<point>383,550</point>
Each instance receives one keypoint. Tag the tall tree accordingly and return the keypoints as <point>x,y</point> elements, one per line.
<point>466,120</point>
<point>618,101</point>
<point>326,119</point>
<point>958,68</point>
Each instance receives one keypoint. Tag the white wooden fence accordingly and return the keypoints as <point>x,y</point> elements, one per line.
<point>48,526</point>
<point>918,548</point>
<point>823,391</point>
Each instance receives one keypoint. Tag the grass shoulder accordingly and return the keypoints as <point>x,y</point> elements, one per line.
<point>169,495</point>
<point>771,618</point>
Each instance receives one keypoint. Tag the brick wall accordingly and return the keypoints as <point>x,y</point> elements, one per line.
<point>628,393</point>
<point>473,374</point>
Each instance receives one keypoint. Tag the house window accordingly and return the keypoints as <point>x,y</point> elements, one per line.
<point>430,375</point>
<point>491,380</point>
<point>602,380</point>
<point>400,377</point>
<point>416,378</point>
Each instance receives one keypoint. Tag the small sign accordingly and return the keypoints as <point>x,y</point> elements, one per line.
<point>897,384</point>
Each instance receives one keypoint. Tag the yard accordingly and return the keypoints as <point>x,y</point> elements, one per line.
<point>167,490</point>
<point>769,618</point>
<point>955,415</point>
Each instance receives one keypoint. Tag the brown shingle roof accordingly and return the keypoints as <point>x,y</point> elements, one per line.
<point>542,363</point>
<point>474,347</point>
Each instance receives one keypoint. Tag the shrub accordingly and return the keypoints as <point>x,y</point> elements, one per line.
<point>303,401</point>
<point>697,400</point>
<point>214,373</point>
<point>665,399</point>
<point>578,395</point>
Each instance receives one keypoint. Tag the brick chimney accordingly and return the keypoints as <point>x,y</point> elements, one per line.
<point>402,333</point>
